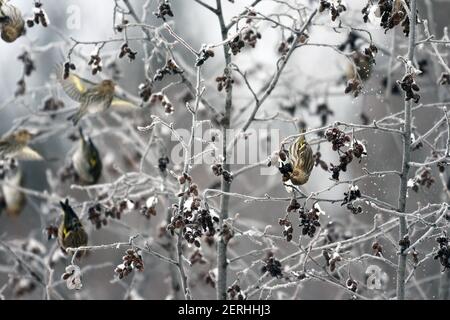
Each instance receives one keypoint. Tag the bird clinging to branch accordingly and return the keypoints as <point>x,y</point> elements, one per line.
<point>297,165</point>
<point>71,233</point>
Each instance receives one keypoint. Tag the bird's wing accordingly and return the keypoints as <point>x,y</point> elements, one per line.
<point>29,154</point>
<point>74,86</point>
<point>123,105</point>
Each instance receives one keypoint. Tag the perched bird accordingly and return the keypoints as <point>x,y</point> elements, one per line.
<point>71,233</point>
<point>14,199</point>
<point>86,161</point>
<point>12,24</point>
<point>15,145</point>
<point>297,167</point>
<point>93,97</point>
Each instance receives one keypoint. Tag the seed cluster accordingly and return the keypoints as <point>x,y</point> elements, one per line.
<point>39,17</point>
<point>377,249</point>
<point>272,266</point>
<point>225,81</point>
<point>339,139</point>
<point>193,220</point>
<point>205,54</point>
<point>131,261</point>
<point>164,9</point>
<point>125,50</point>
<point>235,293</point>
<point>443,253</point>
<point>161,98</point>
<point>288,229</point>
<point>309,221</point>
<point>335,8</point>
<point>171,67</point>
<point>120,27</point>
<point>99,213</point>
<point>218,170</point>
<point>251,37</point>
<point>331,258</point>
<point>95,62</point>
<point>350,196</point>
<point>286,45</point>
<point>68,66</point>
<point>236,45</point>
<point>409,86</point>
<point>404,243</point>
<point>424,179</point>
<point>392,14</point>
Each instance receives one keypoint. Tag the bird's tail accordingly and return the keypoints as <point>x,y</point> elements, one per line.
<point>302,138</point>
<point>80,130</point>
<point>76,117</point>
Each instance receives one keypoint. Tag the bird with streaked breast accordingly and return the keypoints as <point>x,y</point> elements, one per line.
<point>297,167</point>
<point>92,97</point>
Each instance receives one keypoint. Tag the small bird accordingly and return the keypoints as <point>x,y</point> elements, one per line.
<point>364,66</point>
<point>15,145</point>
<point>71,233</point>
<point>86,161</point>
<point>14,198</point>
<point>12,24</point>
<point>93,97</point>
<point>297,167</point>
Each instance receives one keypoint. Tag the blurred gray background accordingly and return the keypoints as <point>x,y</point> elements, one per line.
<point>312,69</point>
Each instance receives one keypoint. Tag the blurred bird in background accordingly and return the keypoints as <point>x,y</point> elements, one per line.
<point>93,97</point>
<point>364,66</point>
<point>297,165</point>
<point>87,161</point>
<point>14,199</point>
<point>71,233</point>
<point>12,24</point>
<point>15,145</point>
